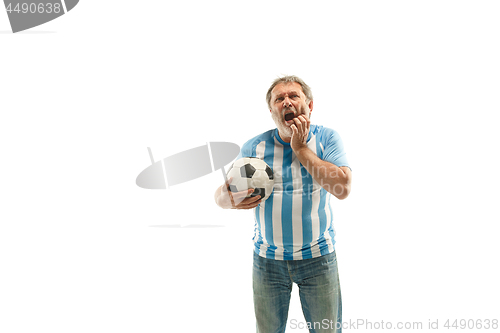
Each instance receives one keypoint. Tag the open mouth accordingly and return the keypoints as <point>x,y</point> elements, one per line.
<point>289,116</point>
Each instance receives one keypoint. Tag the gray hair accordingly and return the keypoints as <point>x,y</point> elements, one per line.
<point>288,79</point>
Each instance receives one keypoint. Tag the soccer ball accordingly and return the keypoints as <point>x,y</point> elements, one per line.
<point>251,172</point>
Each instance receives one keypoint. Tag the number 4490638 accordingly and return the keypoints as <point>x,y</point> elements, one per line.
<point>34,8</point>
<point>472,324</point>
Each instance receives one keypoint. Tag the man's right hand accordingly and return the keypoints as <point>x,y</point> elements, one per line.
<point>235,200</point>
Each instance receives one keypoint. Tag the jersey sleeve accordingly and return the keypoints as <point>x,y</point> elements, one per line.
<point>246,150</point>
<point>334,148</point>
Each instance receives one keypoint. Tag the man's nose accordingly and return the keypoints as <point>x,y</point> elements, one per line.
<point>287,102</point>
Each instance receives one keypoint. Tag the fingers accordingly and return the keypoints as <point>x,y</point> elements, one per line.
<point>302,124</point>
<point>300,128</point>
<point>249,203</point>
<point>228,182</point>
<point>303,121</point>
<point>242,194</point>
<point>298,123</point>
<point>241,201</point>
<point>307,123</point>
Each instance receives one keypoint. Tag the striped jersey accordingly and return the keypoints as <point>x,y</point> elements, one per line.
<point>295,222</point>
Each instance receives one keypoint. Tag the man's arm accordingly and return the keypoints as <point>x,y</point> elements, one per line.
<point>336,180</point>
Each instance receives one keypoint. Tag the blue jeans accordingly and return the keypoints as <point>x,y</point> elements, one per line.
<point>319,291</point>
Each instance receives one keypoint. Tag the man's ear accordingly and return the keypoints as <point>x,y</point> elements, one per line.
<point>310,106</point>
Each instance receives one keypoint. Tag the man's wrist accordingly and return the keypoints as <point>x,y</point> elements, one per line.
<point>301,150</point>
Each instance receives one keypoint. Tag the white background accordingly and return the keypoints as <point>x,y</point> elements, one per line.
<point>412,88</point>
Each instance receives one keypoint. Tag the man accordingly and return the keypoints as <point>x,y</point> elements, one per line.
<point>294,235</point>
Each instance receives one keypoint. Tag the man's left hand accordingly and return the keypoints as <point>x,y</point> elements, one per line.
<point>300,133</point>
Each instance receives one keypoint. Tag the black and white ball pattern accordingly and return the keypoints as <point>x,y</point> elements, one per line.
<point>251,172</point>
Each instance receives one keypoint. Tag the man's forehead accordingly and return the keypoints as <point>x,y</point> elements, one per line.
<point>286,87</point>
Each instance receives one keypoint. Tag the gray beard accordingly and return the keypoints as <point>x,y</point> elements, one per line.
<point>280,124</point>
<point>283,129</point>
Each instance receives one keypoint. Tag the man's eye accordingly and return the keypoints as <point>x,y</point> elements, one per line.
<point>279,99</point>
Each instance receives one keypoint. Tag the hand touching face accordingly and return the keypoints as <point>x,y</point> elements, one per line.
<point>300,132</point>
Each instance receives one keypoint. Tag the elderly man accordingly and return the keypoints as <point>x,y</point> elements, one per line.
<point>294,235</point>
